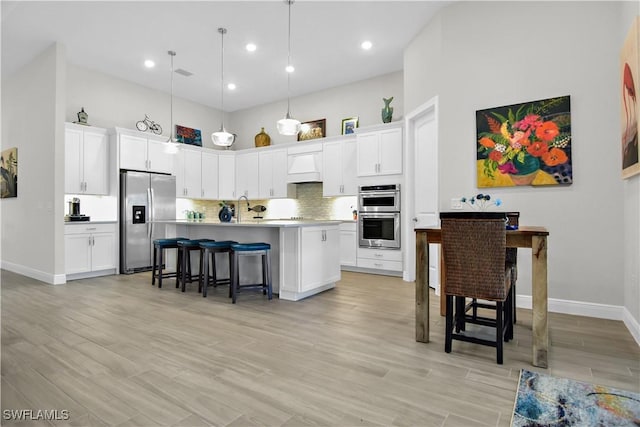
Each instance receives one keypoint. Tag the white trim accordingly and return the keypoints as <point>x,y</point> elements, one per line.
<point>408,206</point>
<point>579,308</point>
<point>52,279</point>
<point>632,324</point>
<point>589,309</point>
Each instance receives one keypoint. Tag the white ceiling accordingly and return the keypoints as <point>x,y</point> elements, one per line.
<point>116,37</point>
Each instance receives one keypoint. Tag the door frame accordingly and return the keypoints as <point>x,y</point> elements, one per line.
<point>408,206</point>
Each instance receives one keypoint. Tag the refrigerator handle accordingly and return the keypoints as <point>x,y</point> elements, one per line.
<point>150,212</point>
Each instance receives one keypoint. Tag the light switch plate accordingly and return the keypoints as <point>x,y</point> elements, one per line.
<point>456,204</point>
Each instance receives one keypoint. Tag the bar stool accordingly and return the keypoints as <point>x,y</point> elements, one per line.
<point>249,249</point>
<point>159,245</point>
<point>208,250</point>
<point>183,263</point>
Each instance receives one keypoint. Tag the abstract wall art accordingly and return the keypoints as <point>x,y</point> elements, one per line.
<point>9,173</point>
<point>630,109</point>
<point>525,144</point>
<point>189,136</point>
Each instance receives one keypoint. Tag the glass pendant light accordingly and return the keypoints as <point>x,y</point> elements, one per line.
<point>288,125</point>
<point>222,138</point>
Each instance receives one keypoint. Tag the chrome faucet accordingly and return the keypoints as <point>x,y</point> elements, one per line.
<point>240,198</point>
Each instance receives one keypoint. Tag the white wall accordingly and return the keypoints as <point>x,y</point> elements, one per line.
<point>32,223</point>
<point>477,55</point>
<point>630,11</point>
<point>362,99</point>
<point>111,101</point>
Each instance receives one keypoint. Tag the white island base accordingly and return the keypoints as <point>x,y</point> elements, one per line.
<point>305,256</point>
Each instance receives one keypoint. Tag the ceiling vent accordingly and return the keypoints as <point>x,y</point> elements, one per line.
<point>184,72</point>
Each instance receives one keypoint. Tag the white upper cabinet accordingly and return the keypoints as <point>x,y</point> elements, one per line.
<point>188,172</point>
<point>227,176</point>
<point>142,153</point>
<point>196,172</point>
<point>247,177</point>
<point>272,167</point>
<point>339,173</point>
<point>210,175</point>
<point>380,152</point>
<point>86,160</point>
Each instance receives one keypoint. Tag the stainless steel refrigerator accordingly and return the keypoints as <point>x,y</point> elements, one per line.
<point>144,198</point>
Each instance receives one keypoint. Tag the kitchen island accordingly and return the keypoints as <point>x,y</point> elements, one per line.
<point>305,255</point>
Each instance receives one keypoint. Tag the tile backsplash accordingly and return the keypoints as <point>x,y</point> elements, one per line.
<point>309,204</point>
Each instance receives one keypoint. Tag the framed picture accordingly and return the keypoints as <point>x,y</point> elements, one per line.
<point>525,144</point>
<point>312,130</point>
<point>630,109</point>
<point>349,125</point>
<point>9,173</point>
<point>189,136</point>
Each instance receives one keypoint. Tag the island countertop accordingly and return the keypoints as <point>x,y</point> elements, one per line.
<point>271,223</point>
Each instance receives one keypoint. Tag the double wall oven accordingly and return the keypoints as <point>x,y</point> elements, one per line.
<point>379,216</point>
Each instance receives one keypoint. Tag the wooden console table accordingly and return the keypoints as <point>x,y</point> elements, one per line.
<point>534,238</point>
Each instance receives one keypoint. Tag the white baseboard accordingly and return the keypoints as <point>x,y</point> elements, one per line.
<point>632,324</point>
<point>590,309</point>
<point>52,279</point>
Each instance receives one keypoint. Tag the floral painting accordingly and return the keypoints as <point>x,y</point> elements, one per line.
<point>189,136</point>
<point>630,109</point>
<point>9,173</point>
<point>525,144</point>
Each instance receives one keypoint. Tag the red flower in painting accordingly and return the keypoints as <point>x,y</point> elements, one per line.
<point>547,131</point>
<point>530,121</point>
<point>554,157</point>
<point>487,142</point>
<point>495,156</point>
<point>537,149</point>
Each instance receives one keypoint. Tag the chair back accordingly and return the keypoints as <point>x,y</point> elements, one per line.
<point>473,248</point>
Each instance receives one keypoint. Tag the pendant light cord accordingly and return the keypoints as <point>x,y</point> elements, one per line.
<point>171,131</point>
<point>222,32</point>
<point>289,2</point>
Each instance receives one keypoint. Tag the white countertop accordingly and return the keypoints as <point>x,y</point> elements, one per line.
<point>273,223</point>
<point>89,222</point>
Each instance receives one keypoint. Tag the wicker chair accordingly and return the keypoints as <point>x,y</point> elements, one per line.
<point>474,252</point>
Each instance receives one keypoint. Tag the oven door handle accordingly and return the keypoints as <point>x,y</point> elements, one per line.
<point>371,215</point>
<point>379,193</point>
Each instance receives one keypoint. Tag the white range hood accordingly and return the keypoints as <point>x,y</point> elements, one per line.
<point>304,163</point>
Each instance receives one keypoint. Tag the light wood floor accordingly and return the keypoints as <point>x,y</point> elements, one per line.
<point>117,351</point>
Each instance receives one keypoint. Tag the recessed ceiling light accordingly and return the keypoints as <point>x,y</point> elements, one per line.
<point>251,47</point>
<point>289,69</point>
<point>231,86</point>
<point>149,63</point>
<point>366,45</point>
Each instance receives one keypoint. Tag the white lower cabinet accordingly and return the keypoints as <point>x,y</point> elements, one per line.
<point>348,244</point>
<point>320,260</point>
<point>314,264</point>
<point>90,250</point>
<point>380,259</point>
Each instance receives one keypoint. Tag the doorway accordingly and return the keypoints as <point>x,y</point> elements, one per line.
<point>421,185</point>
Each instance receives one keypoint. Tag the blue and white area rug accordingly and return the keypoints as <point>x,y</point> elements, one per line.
<point>545,400</point>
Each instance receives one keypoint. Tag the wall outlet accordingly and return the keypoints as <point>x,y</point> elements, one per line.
<point>456,204</point>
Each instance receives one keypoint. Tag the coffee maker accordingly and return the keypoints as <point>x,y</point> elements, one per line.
<point>74,211</point>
